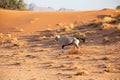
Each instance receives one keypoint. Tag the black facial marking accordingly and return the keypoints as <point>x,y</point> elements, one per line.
<point>63,46</point>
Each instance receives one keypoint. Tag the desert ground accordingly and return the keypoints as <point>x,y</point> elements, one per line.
<point>28,50</point>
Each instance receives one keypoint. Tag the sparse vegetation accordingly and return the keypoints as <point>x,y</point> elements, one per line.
<point>48,33</point>
<point>72,26</point>
<point>19,44</point>
<point>107,19</point>
<point>1,35</point>
<point>28,49</point>
<point>9,36</point>
<point>105,26</point>
<point>106,39</point>
<point>40,38</point>
<point>82,72</point>
<point>79,35</point>
<point>12,4</point>
<point>118,27</point>
<point>106,65</point>
<point>109,57</point>
<point>60,24</point>
<point>89,32</point>
<point>67,29</point>
<point>13,40</point>
<point>95,23</point>
<point>118,7</point>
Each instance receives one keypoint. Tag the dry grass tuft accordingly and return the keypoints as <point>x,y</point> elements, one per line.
<point>72,26</point>
<point>95,23</point>
<point>89,32</point>
<point>13,40</point>
<point>16,64</point>
<point>106,65</point>
<point>67,29</point>
<point>107,19</point>
<point>79,35</point>
<point>49,65</point>
<point>118,27</point>
<point>109,57</point>
<point>40,38</point>
<point>106,39</point>
<point>80,57</point>
<point>9,36</point>
<point>19,44</point>
<point>82,72</point>
<point>49,29</point>
<point>1,35</point>
<point>31,56</point>
<point>63,65</point>
<point>105,26</point>
<point>60,24</point>
<point>108,70</point>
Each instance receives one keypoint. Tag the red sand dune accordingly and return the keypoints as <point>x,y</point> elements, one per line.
<point>36,21</point>
<point>31,57</point>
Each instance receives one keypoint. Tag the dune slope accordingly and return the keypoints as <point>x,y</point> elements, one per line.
<point>35,21</point>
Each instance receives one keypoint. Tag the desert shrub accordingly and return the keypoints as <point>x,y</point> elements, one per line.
<point>12,4</point>
<point>118,7</point>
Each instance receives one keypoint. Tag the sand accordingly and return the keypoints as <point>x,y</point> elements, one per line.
<point>28,50</point>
